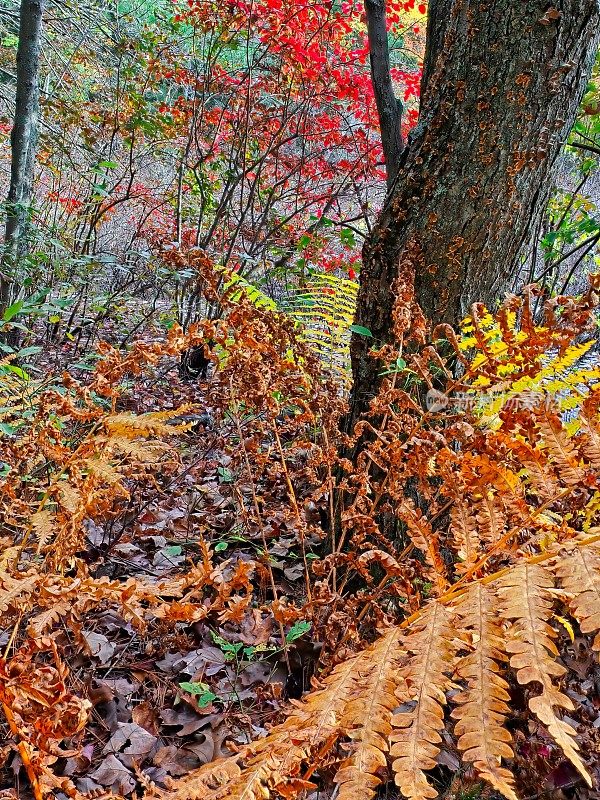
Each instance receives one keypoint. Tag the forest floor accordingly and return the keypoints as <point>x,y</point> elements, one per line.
<point>173,695</point>
<point>166,700</point>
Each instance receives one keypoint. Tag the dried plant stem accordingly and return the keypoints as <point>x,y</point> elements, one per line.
<point>300,521</point>
<point>259,520</point>
<point>12,636</point>
<point>331,491</point>
<point>24,753</point>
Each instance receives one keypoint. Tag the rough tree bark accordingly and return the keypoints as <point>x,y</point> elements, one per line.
<point>389,107</point>
<point>502,83</point>
<point>23,141</point>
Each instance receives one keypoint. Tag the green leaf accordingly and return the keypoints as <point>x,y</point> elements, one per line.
<point>20,373</point>
<point>10,41</point>
<point>99,191</point>
<point>13,310</point>
<point>29,351</point>
<point>201,691</point>
<point>225,475</point>
<point>360,330</point>
<point>221,546</point>
<point>230,650</point>
<point>347,237</point>
<point>297,630</point>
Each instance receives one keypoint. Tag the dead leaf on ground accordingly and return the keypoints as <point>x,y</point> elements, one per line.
<point>133,741</point>
<point>114,774</point>
<point>146,716</point>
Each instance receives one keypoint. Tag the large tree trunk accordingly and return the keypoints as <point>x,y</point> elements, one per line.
<point>23,142</point>
<point>502,83</point>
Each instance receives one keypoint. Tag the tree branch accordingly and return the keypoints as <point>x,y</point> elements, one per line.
<point>389,108</point>
<point>588,147</point>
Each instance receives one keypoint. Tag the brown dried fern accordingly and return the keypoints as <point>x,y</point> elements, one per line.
<point>482,707</point>
<point>426,674</point>
<point>368,720</point>
<point>527,604</point>
<point>579,576</point>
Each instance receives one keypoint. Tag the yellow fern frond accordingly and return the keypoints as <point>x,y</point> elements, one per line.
<point>235,287</point>
<point>571,356</point>
<point>326,310</point>
<point>591,511</point>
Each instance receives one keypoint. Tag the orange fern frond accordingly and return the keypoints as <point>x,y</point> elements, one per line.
<point>579,576</point>
<point>590,438</point>
<point>482,707</point>
<point>43,525</point>
<point>41,622</point>
<point>368,720</point>
<point>153,424</point>
<point>562,449</point>
<point>423,537</point>
<point>463,527</point>
<point>417,731</point>
<point>490,518</point>
<point>527,604</point>
<point>414,669</point>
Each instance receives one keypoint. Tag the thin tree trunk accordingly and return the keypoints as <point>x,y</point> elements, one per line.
<point>23,143</point>
<point>389,107</point>
<point>502,83</point>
